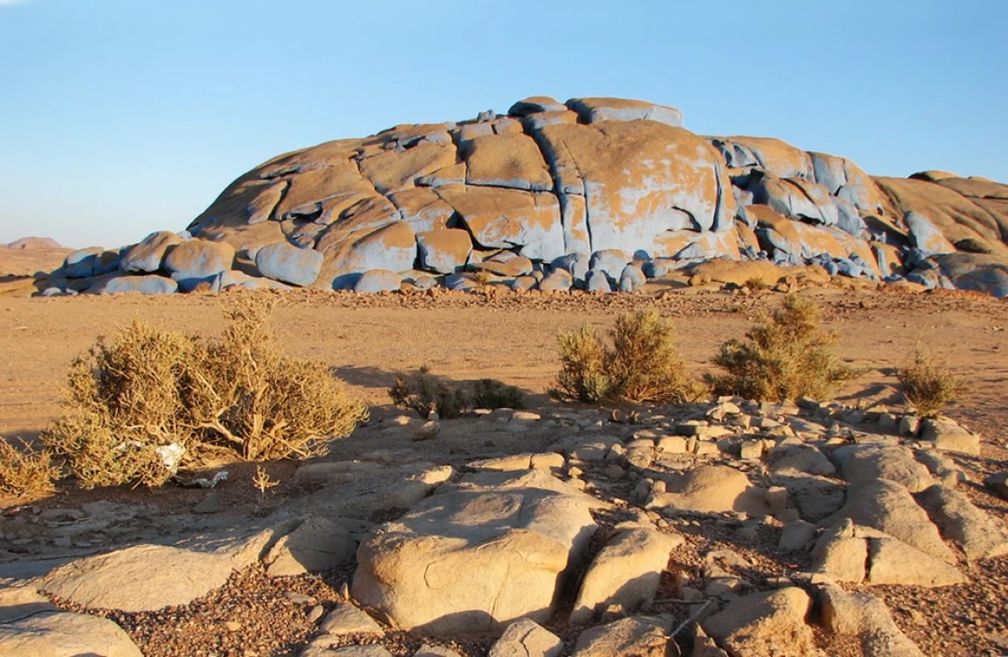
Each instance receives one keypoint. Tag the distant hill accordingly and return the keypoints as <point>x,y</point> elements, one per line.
<point>34,243</point>
<point>28,255</point>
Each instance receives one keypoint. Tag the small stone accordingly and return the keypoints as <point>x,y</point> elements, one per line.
<point>232,626</point>
<point>614,472</point>
<point>315,613</point>
<point>300,598</point>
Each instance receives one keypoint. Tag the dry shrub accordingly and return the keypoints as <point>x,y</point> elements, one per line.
<point>582,370</point>
<point>425,394</point>
<point>146,398</point>
<point>787,355</point>
<point>926,384</point>
<point>641,365</point>
<point>25,471</point>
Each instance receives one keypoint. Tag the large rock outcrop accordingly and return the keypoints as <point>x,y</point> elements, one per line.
<point>558,182</point>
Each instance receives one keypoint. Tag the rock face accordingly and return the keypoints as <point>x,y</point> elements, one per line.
<point>475,555</point>
<point>553,181</point>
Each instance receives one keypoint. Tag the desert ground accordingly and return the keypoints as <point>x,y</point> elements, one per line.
<point>367,340</point>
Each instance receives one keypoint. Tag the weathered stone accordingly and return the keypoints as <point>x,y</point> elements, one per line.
<point>977,534</point>
<point>391,247</point>
<point>641,636</point>
<point>326,646</point>
<point>65,634</point>
<point>347,619</point>
<point>316,545</point>
<point>948,436</point>
<point>378,280</point>
<point>712,489</point>
<point>889,508</point>
<point>443,251</point>
<point>597,282</point>
<point>626,572</point>
<point>925,236</point>
<point>149,254</point>
<point>147,577</point>
<point>891,561</point>
<point>841,556</point>
<point>511,160</point>
<point>285,262</point>
<point>998,484</point>
<point>197,259</point>
<point>507,218</point>
<point>765,624</point>
<point>595,110</point>
<point>81,263</point>
<point>867,618</point>
<point>149,285</point>
<point>483,552</point>
<point>865,463</point>
<point>526,638</point>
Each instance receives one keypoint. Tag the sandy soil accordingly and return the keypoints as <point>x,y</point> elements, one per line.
<point>28,261</point>
<point>463,337</point>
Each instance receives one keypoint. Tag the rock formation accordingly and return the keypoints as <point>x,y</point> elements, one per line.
<point>555,185</point>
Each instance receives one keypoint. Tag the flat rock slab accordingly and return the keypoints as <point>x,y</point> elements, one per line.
<point>318,648</point>
<point>348,619</point>
<point>888,507</point>
<point>65,634</point>
<point>475,555</point>
<point>640,636</point>
<point>861,464</point>
<point>148,577</point>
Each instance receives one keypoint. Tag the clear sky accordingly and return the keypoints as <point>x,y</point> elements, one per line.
<point>119,117</point>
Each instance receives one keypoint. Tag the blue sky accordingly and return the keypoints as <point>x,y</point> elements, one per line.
<point>119,117</point>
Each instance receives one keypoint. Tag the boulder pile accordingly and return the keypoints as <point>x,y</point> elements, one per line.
<point>598,194</point>
<point>733,527</point>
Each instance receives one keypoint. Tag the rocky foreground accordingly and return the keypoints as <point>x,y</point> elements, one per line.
<point>599,194</point>
<point>731,528</point>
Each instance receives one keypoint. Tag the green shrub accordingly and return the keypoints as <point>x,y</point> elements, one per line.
<point>927,385</point>
<point>491,393</point>
<point>641,364</point>
<point>785,356</point>
<point>146,400</point>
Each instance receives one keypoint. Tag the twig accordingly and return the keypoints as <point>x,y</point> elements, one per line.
<point>693,617</point>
